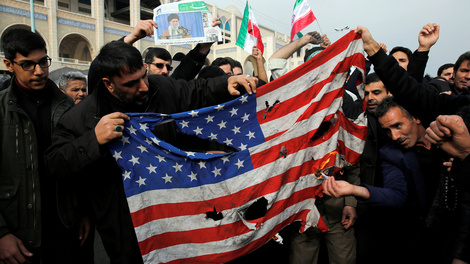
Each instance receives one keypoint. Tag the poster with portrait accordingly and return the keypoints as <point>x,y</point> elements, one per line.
<point>184,22</point>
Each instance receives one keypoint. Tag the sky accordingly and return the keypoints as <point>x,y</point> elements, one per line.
<point>395,23</point>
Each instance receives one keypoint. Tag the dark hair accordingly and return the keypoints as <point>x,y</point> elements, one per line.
<point>310,53</point>
<point>221,61</point>
<point>21,41</point>
<point>173,16</point>
<point>159,53</point>
<point>178,56</point>
<point>407,51</point>
<point>372,78</point>
<point>388,103</point>
<point>210,72</point>
<point>236,63</point>
<point>116,57</point>
<point>443,68</point>
<point>461,59</point>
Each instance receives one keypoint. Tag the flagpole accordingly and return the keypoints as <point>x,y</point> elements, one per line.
<point>321,33</point>
<point>31,6</point>
<point>252,28</point>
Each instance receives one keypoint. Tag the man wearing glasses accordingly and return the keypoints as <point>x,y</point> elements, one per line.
<point>158,61</point>
<point>30,226</point>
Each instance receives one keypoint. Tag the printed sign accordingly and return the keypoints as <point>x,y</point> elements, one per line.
<point>184,23</point>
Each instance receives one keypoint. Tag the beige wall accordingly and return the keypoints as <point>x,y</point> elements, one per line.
<point>13,12</point>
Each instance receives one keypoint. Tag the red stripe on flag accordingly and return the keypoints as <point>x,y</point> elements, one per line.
<point>299,143</point>
<point>333,50</point>
<point>228,256</point>
<point>222,232</point>
<point>271,185</point>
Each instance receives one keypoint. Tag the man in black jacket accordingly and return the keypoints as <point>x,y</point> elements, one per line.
<point>414,96</point>
<point>79,143</point>
<point>30,226</point>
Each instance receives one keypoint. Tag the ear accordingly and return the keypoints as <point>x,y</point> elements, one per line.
<point>109,85</point>
<point>147,67</point>
<point>9,65</point>
<point>417,120</point>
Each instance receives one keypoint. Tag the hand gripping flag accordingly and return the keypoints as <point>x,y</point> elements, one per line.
<point>249,34</point>
<point>192,207</point>
<point>302,16</point>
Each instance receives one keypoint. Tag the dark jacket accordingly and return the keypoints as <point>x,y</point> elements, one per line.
<point>20,199</point>
<point>403,182</point>
<point>415,97</point>
<point>76,153</point>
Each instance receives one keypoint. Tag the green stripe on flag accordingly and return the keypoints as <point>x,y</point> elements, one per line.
<point>243,28</point>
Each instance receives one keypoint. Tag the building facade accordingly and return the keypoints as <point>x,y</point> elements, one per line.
<point>74,30</point>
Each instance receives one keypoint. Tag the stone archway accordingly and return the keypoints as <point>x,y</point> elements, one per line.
<point>24,26</point>
<point>249,65</point>
<point>76,47</point>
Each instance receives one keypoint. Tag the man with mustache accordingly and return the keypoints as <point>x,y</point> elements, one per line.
<point>79,150</point>
<point>403,199</point>
<point>73,84</point>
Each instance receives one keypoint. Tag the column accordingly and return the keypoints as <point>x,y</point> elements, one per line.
<point>134,15</point>
<point>53,47</point>
<point>97,12</point>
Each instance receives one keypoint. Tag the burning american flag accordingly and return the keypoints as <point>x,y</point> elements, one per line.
<point>196,207</point>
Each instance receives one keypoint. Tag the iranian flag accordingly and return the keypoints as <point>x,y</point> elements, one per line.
<point>249,34</point>
<point>301,18</point>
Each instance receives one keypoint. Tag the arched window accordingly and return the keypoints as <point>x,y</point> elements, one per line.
<point>75,48</point>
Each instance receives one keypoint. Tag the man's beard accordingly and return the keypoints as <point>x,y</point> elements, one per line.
<point>135,101</point>
<point>174,28</point>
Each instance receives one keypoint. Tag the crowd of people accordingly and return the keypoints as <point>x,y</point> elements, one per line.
<point>407,201</point>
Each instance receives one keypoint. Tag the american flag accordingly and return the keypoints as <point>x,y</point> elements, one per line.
<point>189,207</point>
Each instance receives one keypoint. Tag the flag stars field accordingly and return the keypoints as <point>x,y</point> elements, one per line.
<point>216,172</point>
<point>132,130</point>
<point>239,164</point>
<point>213,136</point>
<point>160,158</point>
<point>192,176</point>
<point>233,111</point>
<point>143,127</point>
<point>236,130</point>
<point>124,140</point>
<point>141,181</point>
<point>225,159</point>
<point>198,130</point>
<point>222,124</point>
<point>184,124</point>
<point>126,175</point>
<point>219,108</point>
<point>209,119</point>
<point>167,178</point>
<point>156,141</point>
<point>142,149</point>
<point>202,164</point>
<point>134,160</point>
<point>117,155</point>
<point>152,168</point>
<point>148,141</point>
<point>194,113</point>
<point>177,167</point>
<point>245,117</point>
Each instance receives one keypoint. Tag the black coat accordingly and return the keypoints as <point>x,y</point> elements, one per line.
<point>76,153</point>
